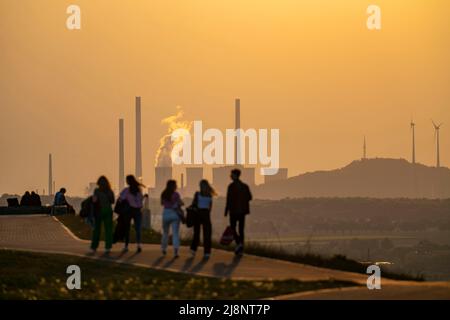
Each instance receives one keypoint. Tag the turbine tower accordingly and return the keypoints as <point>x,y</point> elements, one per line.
<point>413,142</point>
<point>436,134</point>
<point>364,149</point>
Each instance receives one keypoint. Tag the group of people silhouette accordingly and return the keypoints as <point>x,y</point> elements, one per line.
<point>33,199</point>
<point>30,199</point>
<point>130,202</point>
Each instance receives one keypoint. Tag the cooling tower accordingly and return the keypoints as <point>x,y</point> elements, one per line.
<point>162,174</point>
<point>193,177</point>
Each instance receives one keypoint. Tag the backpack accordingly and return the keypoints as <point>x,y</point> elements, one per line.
<point>122,207</point>
<point>227,236</point>
<point>87,208</point>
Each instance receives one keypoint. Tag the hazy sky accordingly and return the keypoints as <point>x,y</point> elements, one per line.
<point>310,68</point>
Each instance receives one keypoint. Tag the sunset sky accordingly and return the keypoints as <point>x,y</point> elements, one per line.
<point>310,68</point>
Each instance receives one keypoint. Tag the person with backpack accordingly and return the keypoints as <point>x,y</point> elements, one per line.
<point>103,198</point>
<point>134,197</point>
<point>238,206</point>
<point>202,204</point>
<point>171,216</point>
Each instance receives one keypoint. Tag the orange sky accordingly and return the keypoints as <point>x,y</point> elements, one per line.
<point>310,68</point>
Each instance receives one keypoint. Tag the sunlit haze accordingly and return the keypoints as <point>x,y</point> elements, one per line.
<point>310,68</point>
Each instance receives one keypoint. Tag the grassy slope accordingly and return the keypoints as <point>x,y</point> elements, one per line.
<point>338,262</point>
<point>27,275</point>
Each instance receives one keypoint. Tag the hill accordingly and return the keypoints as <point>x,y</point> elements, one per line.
<point>376,178</point>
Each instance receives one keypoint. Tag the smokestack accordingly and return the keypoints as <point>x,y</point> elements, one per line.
<point>50,175</point>
<point>138,172</point>
<point>237,125</point>
<point>182,182</point>
<point>121,157</point>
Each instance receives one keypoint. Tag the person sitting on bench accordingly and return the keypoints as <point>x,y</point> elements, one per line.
<point>35,199</point>
<point>60,200</point>
<point>26,199</point>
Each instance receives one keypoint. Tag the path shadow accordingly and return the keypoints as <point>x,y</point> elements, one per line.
<point>120,255</point>
<point>221,269</point>
<point>131,257</point>
<point>158,261</point>
<point>170,262</point>
<point>198,267</point>
<point>187,264</point>
<point>107,256</point>
<point>90,254</point>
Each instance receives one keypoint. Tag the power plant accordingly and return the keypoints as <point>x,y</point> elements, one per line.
<point>221,175</point>
<point>193,177</point>
<point>162,174</point>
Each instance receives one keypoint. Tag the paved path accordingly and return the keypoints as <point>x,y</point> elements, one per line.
<point>43,233</point>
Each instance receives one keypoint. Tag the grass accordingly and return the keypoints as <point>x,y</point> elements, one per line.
<point>337,262</point>
<point>83,231</point>
<point>26,275</point>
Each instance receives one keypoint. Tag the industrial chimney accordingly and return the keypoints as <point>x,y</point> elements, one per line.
<point>138,172</point>
<point>121,157</point>
<point>50,175</point>
<point>237,146</point>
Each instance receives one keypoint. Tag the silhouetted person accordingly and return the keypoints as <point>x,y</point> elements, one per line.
<point>26,199</point>
<point>238,205</point>
<point>60,200</point>
<point>133,195</point>
<point>202,201</point>
<point>171,201</point>
<point>35,199</point>
<point>12,202</point>
<point>103,199</point>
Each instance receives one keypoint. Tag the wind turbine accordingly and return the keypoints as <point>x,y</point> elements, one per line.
<point>364,149</point>
<point>413,142</point>
<point>436,134</point>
